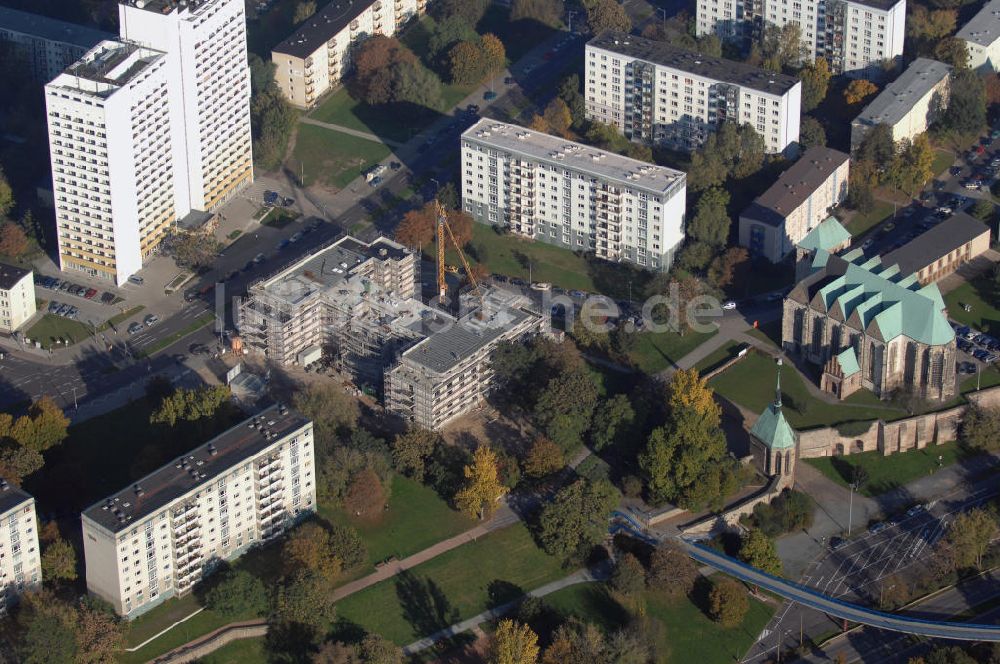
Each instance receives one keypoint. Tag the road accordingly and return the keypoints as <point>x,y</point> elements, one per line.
<point>840,609</point>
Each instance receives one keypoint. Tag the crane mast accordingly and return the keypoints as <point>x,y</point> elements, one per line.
<point>444,227</point>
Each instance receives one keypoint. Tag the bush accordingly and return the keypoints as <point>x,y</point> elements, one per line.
<point>791,510</point>
<point>237,593</point>
<point>348,545</point>
<point>629,576</point>
<point>728,603</point>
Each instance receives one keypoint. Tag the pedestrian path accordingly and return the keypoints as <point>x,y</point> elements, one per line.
<point>368,136</point>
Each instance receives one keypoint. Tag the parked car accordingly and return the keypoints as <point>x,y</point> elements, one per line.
<point>151,320</point>
<point>134,328</point>
<point>136,279</point>
<point>107,298</point>
<point>489,95</point>
<point>53,306</point>
<point>91,292</point>
<point>259,258</point>
<point>729,306</point>
<point>837,543</point>
<point>271,197</point>
<point>876,528</point>
<point>295,238</point>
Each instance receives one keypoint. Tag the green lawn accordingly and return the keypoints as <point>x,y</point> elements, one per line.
<point>416,519</point>
<point>750,383</point>
<point>245,651</point>
<point>889,472</point>
<point>342,109</point>
<point>686,634</point>
<point>452,587</point>
<point>279,217</point>
<point>861,223</point>
<point>118,319</point>
<point>332,158</point>
<point>510,255</point>
<point>656,351</point>
<point>163,616</point>
<point>943,159</point>
<point>983,296</point>
<point>51,328</point>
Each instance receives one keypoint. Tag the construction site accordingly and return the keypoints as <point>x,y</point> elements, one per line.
<point>358,305</point>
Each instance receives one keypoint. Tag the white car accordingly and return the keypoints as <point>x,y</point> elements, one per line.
<point>729,306</point>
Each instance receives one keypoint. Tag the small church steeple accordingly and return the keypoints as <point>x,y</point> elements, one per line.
<point>777,398</point>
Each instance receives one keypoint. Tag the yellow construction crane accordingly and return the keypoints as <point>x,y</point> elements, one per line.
<point>442,227</point>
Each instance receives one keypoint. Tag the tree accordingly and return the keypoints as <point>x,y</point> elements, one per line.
<point>191,405</point>
<point>565,406</point>
<point>983,210</point>
<point>374,62</point>
<point>513,643</point>
<point>304,10</point>
<point>858,90</point>
<point>100,635</point>
<point>446,33</point>
<point>724,268</point>
<point>925,27</point>
<point>695,256</point>
<point>347,545</point>
<point>465,65</point>
<point>911,167</point>
<point>417,227</point>
<point>42,427</point>
<point>410,451</point>
<point>811,133</point>
<point>544,458</point>
<point>981,428</point>
<point>952,51</point>
<point>193,251</point>
<point>308,548</point>
<point>671,570</point>
<point>272,120</point>
<point>13,240</point>
<point>728,603</point>
<point>577,518</point>
<point>46,630</point>
<point>6,195</point>
<point>483,489</point>
<point>569,92</point>
<point>493,53</point>
<point>681,456</point>
<point>815,79</point>
<point>966,112</point>
<point>58,561</point>
<point>18,462</point>
<point>950,655</point>
<point>415,84</point>
<point>779,47</point>
<point>237,593</point>
<point>376,649</point>
<point>877,147</point>
<point>558,117</point>
<point>628,576</point>
<point>332,410</point>
<point>894,592</point>
<point>757,549</point>
<point>306,602</point>
<point>711,220</point>
<point>365,495</point>
<point>604,15</point>
<point>470,12</point>
<point>612,419</point>
<point>335,652</point>
<point>970,534</point>
<point>546,12</point>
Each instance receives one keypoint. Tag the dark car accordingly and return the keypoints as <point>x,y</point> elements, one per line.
<point>107,298</point>
<point>271,197</point>
<point>472,108</point>
<point>489,95</point>
<point>837,543</point>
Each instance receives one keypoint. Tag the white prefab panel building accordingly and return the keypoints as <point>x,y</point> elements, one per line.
<point>656,93</point>
<point>553,190</point>
<point>46,46</point>
<point>17,297</point>
<point>315,58</point>
<point>982,38</point>
<point>205,47</point>
<point>112,164</point>
<point>157,538</point>
<point>20,564</point>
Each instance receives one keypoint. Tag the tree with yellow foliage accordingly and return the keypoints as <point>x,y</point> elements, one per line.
<point>514,643</point>
<point>859,90</point>
<point>483,488</point>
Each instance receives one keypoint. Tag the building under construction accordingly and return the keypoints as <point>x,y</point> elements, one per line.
<point>358,304</point>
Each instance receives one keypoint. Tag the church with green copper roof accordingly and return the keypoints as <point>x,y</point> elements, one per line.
<point>773,440</point>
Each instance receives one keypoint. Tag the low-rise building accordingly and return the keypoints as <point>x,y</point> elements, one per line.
<point>938,252</point>
<point>796,204</point>
<point>982,38</point>
<point>20,562</point>
<point>870,326</point>
<point>161,535</point>
<point>17,297</point>
<point>314,59</point>
<point>655,93</point>
<point>579,197</point>
<point>909,105</point>
<point>45,46</point>
<point>357,304</point>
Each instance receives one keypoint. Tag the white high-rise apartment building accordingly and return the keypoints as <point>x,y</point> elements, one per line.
<point>569,194</point>
<point>315,58</point>
<point>855,36</point>
<point>113,170</point>
<point>205,45</point>
<point>144,130</point>
<point>20,559</point>
<point>157,538</point>
<point>17,297</point>
<point>656,93</point>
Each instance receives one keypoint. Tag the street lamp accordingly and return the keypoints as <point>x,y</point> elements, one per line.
<point>850,508</point>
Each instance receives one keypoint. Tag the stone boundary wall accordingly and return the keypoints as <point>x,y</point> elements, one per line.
<point>731,517</point>
<point>912,433</point>
<point>213,641</point>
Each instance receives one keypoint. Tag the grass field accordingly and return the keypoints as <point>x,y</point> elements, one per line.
<point>51,329</point>
<point>861,223</point>
<point>687,634</point>
<point>118,319</point>
<point>416,519</point>
<point>452,587</point>
<point>332,158</point>
<point>943,159</point>
<point>279,217</point>
<point>889,472</point>
<point>510,255</point>
<point>983,296</point>
<point>750,383</point>
<point>245,651</point>
<point>718,357</point>
<point>656,351</point>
